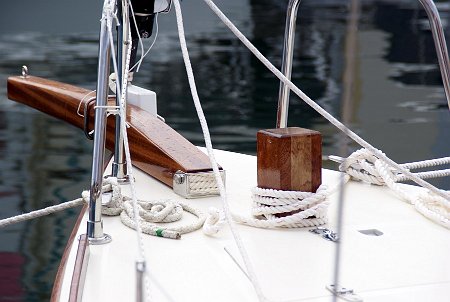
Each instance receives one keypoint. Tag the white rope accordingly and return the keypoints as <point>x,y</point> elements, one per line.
<point>360,165</point>
<point>54,209</point>
<point>43,212</point>
<point>364,166</point>
<point>434,208</point>
<point>209,148</point>
<point>149,213</point>
<point>304,97</point>
<point>123,88</point>
<point>214,221</point>
<point>287,209</point>
<point>319,109</point>
<point>203,183</point>
<point>425,175</point>
<point>427,163</point>
<point>282,209</point>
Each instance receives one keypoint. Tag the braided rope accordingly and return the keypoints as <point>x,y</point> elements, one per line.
<point>215,220</point>
<point>364,166</point>
<point>42,212</point>
<point>287,209</point>
<point>360,165</point>
<point>434,208</point>
<point>204,125</point>
<point>316,107</point>
<point>203,183</point>
<point>427,163</point>
<point>278,209</point>
<point>149,213</point>
<point>425,175</point>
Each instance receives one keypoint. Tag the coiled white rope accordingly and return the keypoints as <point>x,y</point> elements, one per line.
<point>149,213</point>
<point>364,166</point>
<point>360,165</point>
<point>434,208</point>
<point>287,209</point>
<point>228,217</point>
<point>319,109</point>
<point>279,209</point>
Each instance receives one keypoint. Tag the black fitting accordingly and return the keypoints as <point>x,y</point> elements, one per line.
<point>145,17</point>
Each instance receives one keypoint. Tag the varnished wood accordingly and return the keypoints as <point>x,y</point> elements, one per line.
<point>56,290</point>
<point>79,272</point>
<point>155,147</point>
<point>289,159</point>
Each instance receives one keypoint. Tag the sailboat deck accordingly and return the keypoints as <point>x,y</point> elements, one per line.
<point>406,263</point>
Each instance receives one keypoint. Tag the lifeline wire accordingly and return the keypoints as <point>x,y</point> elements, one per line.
<point>317,108</point>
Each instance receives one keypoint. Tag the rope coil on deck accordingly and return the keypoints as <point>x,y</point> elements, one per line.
<point>278,209</point>
<point>362,165</point>
<point>150,213</point>
<point>287,209</point>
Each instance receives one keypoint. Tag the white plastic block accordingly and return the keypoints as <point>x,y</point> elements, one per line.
<point>142,98</point>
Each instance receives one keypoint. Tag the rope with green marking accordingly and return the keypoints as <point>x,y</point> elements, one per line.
<point>152,214</point>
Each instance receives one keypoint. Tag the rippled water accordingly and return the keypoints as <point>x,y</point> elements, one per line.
<point>397,102</point>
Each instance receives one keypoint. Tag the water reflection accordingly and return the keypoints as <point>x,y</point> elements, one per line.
<point>398,104</point>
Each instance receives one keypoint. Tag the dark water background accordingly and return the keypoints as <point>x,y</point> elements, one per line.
<point>397,102</point>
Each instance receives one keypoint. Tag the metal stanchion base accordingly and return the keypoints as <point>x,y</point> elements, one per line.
<point>95,233</point>
<point>100,240</point>
<point>119,172</point>
<point>121,180</point>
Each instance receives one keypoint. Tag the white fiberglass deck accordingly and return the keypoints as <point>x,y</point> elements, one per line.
<point>407,263</point>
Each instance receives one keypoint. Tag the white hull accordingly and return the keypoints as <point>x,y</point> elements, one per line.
<point>407,263</point>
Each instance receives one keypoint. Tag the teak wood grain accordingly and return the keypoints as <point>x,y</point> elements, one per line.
<point>155,148</point>
<point>79,271</point>
<point>289,159</point>
<point>57,285</point>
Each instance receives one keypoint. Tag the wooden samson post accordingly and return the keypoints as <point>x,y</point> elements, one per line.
<point>289,159</point>
<point>155,147</point>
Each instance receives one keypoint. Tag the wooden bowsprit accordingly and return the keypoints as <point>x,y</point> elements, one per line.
<point>155,148</point>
